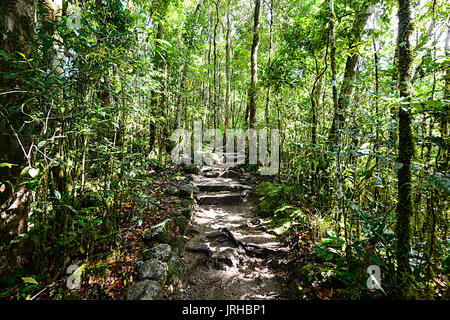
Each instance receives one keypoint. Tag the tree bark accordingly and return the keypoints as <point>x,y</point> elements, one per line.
<point>350,71</point>
<point>405,151</point>
<point>227,69</point>
<point>215,107</point>
<point>267,111</point>
<point>253,91</point>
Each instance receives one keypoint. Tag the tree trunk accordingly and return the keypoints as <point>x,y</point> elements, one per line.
<point>267,111</point>
<point>159,65</point>
<point>227,69</point>
<point>350,71</point>
<point>253,91</point>
<point>405,151</point>
<point>215,107</point>
<point>190,44</point>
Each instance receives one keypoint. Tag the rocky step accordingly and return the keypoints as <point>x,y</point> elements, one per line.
<point>222,197</point>
<point>217,187</point>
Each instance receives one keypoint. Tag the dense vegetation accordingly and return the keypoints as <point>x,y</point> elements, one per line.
<point>90,92</point>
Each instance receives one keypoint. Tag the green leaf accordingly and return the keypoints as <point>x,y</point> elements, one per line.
<point>41,144</point>
<point>331,233</point>
<point>9,165</point>
<point>162,41</point>
<point>19,238</point>
<point>29,280</point>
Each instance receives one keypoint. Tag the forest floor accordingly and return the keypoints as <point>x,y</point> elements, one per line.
<point>223,269</point>
<point>232,253</point>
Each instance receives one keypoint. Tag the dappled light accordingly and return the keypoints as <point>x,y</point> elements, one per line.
<point>224,150</point>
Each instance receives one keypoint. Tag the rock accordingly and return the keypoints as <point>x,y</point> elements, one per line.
<point>212,158</point>
<point>152,270</point>
<point>144,290</point>
<point>187,212</point>
<point>177,243</point>
<point>218,187</point>
<point>245,187</point>
<point>176,268</point>
<point>212,174</point>
<point>245,193</point>
<point>161,252</point>
<point>187,203</point>
<point>182,223</point>
<point>228,257</point>
<point>231,174</point>
<point>187,190</point>
<point>193,231</point>
<point>225,198</point>
<point>243,226</point>
<point>159,232</point>
<point>171,190</point>
<point>191,168</point>
<point>214,234</point>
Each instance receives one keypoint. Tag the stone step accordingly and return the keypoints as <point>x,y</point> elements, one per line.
<point>211,174</point>
<point>222,197</point>
<point>217,187</point>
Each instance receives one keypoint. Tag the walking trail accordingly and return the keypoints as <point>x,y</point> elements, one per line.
<point>230,254</point>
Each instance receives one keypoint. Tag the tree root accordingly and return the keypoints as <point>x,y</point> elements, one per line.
<point>249,248</point>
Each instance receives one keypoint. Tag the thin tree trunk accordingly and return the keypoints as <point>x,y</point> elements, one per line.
<point>227,69</point>
<point>405,151</point>
<point>208,100</point>
<point>215,102</point>
<point>253,90</point>
<point>267,111</point>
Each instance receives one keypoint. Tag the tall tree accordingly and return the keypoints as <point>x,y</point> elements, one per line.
<point>216,89</point>
<point>227,68</point>
<point>405,150</point>
<point>267,110</point>
<point>350,68</point>
<point>253,90</point>
<point>157,97</point>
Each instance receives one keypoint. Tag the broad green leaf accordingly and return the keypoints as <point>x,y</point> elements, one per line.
<point>29,280</point>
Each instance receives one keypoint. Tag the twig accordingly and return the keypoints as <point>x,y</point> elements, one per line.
<point>37,294</point>
<point>9,92</point>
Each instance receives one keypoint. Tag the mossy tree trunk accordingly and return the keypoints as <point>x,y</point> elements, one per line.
<point>405,151</point>
<point>350,71</point>
<point>253,90</point>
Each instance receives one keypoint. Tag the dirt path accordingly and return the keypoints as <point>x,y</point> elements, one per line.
<point>220,267</point>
